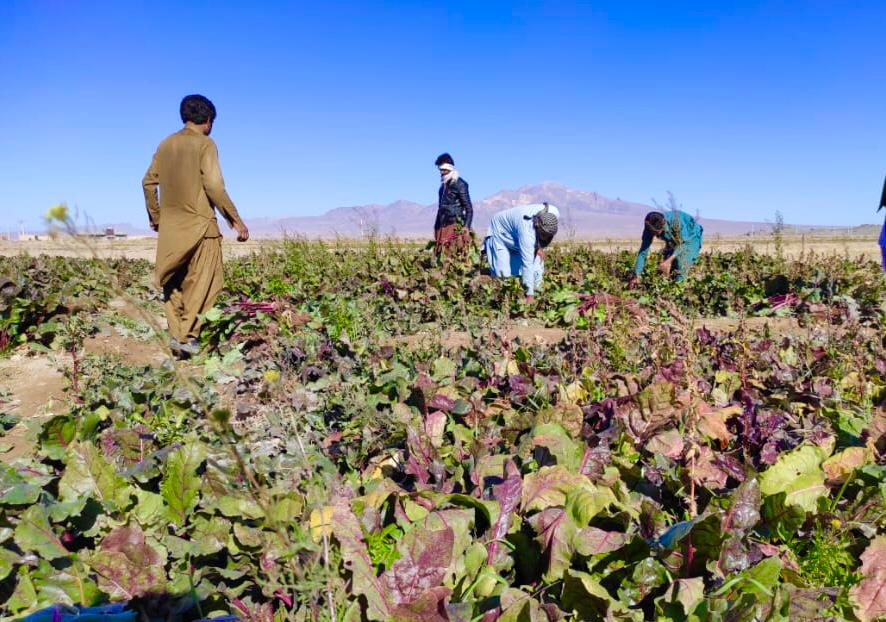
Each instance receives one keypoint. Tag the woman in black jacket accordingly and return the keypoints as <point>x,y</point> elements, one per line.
<point>452,229</point>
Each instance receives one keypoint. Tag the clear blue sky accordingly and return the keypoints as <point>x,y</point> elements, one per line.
<point>739,108</point>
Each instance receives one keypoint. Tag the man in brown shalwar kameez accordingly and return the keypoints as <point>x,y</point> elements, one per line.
<point>189,268</point>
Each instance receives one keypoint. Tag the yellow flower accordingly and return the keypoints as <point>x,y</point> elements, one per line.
<point>836,523</point>
<point>57,213</point>
<point>321,523</point>
<point>271,376</point>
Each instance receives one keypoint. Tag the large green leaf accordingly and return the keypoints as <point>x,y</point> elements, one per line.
<point>181,484</point>
<point>518,606</point>
<point>24,597</point>
<point>685,593</point>
<point>799,475</point>
<point>34,533</point>
<point>761,579</point>
<point>210,535</point>
<point>149,508</point>
<point>584,595</point>
<point>549,486</point>
<point>19,487</point>
<point>70,585</point>
<point>88,474</point>
<point>557,441</point>
<point>584,502</point>
<point>240,506</point>
<point>8,561</point>
<point>648,575</point>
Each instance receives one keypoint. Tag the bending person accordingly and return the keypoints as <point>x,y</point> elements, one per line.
<point>515,242</point>
<point>189,268</point>
<point>455,212</point>
<point>682,237</point>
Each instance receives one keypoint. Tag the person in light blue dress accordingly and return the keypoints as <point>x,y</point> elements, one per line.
<point>883,243</point>
<point>682,237</point>
<point>515,243</point>
<point>883,230</point>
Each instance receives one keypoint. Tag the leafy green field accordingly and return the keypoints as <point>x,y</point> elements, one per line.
<point>334,454</point>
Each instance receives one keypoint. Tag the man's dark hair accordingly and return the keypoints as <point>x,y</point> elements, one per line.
<point>444,158</point>
<point>197,109</point>
<point>655,222</point>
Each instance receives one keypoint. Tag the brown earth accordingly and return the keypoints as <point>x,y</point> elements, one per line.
<point>37,388</point>
<point>36,382</point>
<point>129,351</point>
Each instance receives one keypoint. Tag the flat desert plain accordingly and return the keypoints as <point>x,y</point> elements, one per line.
<point>793,246</point>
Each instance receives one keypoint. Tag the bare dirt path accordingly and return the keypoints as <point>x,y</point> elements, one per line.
<point>727,324</point>
<point>33,386</point>
<point>538,334</point>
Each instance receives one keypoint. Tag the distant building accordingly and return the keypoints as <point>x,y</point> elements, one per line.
<point>108,234</point>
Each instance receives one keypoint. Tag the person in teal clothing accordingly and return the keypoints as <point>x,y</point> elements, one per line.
<point>682,237</point>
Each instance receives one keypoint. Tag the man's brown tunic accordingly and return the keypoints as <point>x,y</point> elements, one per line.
<point>185,169</point>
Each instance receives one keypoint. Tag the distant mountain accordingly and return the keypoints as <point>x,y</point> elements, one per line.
<point>583,214</point>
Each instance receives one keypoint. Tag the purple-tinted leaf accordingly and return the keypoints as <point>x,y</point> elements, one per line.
<point>441,402</point>
<point>128,567</point>
<point>552,612</point>
<point>430,606</point>
<point>346,530</point>
<point>435,426</point>
<point>769,453</point>
<point>668,443</point>
<point>508,495</point>
<point>703,470</point>
<point>653,475</point>
<point>419,472</point>
<point>730,465</point>
<point>593,541</point>
<point>520,386</point>
<point>460,612</point>
<point>595,461</point>
<point>422,565</point>
<point>556,534</point>
<point>823,388</point>
<point>421,455</point>
<point>675,372</point>
<point>548,487</point>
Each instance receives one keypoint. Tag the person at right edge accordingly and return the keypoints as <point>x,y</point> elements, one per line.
<point>455,213</point>
<point>189,268</point>
<point>682,237</point>
<point>883,230</point>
